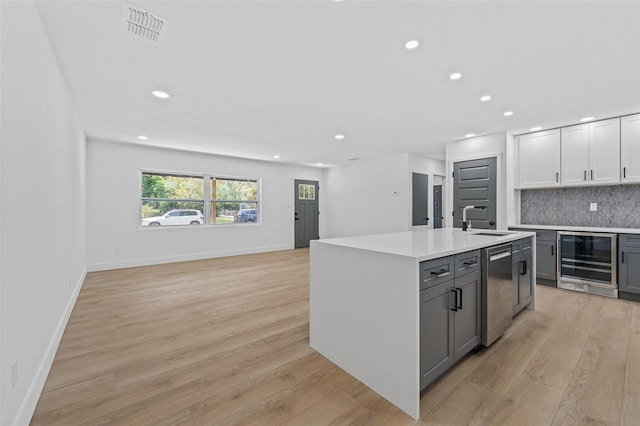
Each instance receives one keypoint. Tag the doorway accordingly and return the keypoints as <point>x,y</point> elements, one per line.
<point>420,199</point>
<point>474,183</point>
<point>306,222</point>
<point>437,205</point>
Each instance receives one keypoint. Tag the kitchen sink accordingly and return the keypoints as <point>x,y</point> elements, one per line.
<point>492,234</point>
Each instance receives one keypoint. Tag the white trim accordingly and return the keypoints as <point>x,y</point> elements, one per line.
<point>94,267</point>
<point>28,406</point>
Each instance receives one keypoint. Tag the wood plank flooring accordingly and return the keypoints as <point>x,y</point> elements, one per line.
<point>226,342</point>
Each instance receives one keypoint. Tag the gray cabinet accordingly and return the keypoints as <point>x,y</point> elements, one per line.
<point>467,315</point>
<point>522,278</point>
<point>629,267</point>
<point>450,321</point>
<point>436,331</point>
<point>546,256</point>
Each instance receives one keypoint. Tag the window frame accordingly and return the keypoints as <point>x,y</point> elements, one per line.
<point>207,200</point>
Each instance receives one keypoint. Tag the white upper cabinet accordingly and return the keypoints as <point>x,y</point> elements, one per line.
<point>630,146</point>
<point>539,159</point>
<point>604,151</point>
<point>575,155</point>
<point>591,153</point>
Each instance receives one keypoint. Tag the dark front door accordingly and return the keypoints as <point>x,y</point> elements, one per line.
<point>437,206</point>
<point>474,183</point>
<point>420,197</point>
<point>306,212</point>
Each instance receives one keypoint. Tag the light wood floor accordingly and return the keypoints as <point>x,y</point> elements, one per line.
<point>226,341</point>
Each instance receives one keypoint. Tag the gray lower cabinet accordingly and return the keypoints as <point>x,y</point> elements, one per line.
<point>450,323</point>
<point>546,255</point>
<point>436,332</point>
<point>522,278</point>
<point>629,266</point>
<point>467,317</point>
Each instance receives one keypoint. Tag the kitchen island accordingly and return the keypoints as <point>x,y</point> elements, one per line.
<point>365,303</point>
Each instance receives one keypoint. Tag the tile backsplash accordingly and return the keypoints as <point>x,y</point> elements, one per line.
<point>618,206</point>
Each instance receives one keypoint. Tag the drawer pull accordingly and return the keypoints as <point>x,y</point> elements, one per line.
<point>440,273</point>
<point>470,263</point>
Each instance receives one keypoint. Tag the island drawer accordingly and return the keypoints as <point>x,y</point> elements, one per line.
<point>520,247</point>
<point>467,262</point>
<point>433,272</point>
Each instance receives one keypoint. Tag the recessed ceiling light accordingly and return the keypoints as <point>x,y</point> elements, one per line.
<point>142,138</point>
<point>485,98</point>
<point>469,135</point>
<point>319,164</point>
<point>412,44</point>
<point>508,113</point>
<point>534,129</point>
<point>587,119</point>
<point>276,156</point>
<point>455,76</point>
<point>160,94</point>
<point>339,137</point>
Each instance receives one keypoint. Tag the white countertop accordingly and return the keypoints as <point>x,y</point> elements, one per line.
<point>579,229</point>
<point>426,244</point>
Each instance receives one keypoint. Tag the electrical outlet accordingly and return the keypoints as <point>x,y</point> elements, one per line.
<point>396,193</point>
<point>593,207</point>
<point>14,374</point>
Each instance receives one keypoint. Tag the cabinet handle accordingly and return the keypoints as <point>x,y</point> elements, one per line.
<point>523,267</point>
<point>624,172</point>
<point>591,174</point>
<point>470,263</point>
<point>552,251</point>
<point>622,253</point>
<point>557,175</point>
<point>585,175</point>
<point>460,301</point>
<point>455,303</point>
<point>441,273</point>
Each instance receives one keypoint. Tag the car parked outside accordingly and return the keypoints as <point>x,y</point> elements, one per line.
<point>246,215</point>
<point>176,217</point>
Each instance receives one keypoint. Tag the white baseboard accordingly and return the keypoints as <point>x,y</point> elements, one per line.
<point>104,266</point>
<point>28,406</point>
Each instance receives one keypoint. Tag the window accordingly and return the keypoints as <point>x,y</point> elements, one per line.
<point>233,201</point>
<point>173,199</point>
<point>306,192</point>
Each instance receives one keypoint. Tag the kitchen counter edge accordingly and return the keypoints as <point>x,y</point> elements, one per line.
<point>456,243</point>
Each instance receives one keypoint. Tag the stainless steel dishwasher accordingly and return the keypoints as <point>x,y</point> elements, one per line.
<point>497,292</point>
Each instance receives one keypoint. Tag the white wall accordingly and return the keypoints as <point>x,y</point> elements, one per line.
<point>361,195</point>
<point>493,145</point>
<point>43,219</point>
<point>116,240</point>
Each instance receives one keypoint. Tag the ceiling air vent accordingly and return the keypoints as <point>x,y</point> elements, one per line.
<point>141,23</point>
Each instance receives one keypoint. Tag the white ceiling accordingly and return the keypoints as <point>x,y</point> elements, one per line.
<point>254,79</point>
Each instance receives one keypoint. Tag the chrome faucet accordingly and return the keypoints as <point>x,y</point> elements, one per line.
<point>466,226</point>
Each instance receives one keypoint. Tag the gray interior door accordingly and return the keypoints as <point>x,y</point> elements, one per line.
<point>420,198</point>
<point>306,212</point>
<point>474,183</point>
<point>437,206</point>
